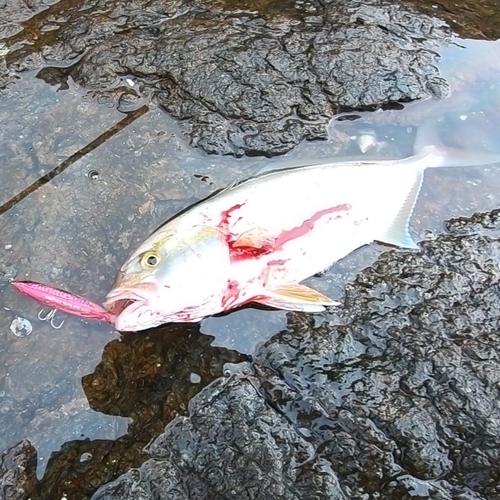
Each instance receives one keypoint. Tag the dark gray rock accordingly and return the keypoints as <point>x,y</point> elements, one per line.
<point>141,377</point>
<point>248,451</point>
<point>259,85</point>
<point>399,398</point>
<point>255,80</point>
<point>469,18</point>
<point>18,472</point>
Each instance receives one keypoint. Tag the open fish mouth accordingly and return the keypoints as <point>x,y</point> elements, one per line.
<point>124,301</point>
<point>119,306</point>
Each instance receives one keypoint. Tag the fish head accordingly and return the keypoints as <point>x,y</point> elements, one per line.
<point>174,276</point>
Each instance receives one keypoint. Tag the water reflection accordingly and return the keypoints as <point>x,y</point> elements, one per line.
<point>75,229</point>
<point>139,385</point>
<point>258,327</point>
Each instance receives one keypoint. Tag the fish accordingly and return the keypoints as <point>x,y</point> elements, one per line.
<point>257,240</point>
<point>62,300</point>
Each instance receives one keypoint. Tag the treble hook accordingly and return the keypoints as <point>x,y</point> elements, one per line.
<point>50,317</point>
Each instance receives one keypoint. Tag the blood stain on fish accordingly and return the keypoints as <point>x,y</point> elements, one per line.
<point>243,253</point>
<point>226,214</point>
<point>232,294</point>
<point>239,253</point>
<point>308,225</point>
<point>278,262</point>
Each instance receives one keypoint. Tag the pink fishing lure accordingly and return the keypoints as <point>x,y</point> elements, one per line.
<point>63,300</point>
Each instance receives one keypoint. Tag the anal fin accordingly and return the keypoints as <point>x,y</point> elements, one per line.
<point>295,297</point>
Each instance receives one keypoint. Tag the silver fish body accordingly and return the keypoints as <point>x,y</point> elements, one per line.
<point>256,241</point>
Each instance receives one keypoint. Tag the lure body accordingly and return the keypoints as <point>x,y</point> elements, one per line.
<point>63,300</point>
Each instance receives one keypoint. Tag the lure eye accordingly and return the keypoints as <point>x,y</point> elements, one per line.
<point>150,260</point>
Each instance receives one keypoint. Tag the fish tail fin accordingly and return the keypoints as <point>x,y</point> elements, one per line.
<point>428,143</point>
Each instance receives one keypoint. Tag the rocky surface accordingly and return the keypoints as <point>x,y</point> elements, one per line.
<point>399,398</point>
<point>141,378</point>
<point>17,472</point>
<point>479,19</point>
<point>249,79</point>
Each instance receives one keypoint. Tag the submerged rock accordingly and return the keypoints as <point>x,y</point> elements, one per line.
<point>141,377</point>
<point>469,18</point>
<point>399,398</point>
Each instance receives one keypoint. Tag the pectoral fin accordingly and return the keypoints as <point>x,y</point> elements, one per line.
<point>296,297</point>
<point>255,238</point>
<point>398,233</point>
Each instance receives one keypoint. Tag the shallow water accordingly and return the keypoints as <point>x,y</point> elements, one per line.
<point>112,178</point>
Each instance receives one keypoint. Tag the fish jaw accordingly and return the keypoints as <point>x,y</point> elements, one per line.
<point>130,307</point>
<point>134,313</point>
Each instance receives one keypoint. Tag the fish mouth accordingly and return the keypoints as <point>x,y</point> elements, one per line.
<point>117,307</point>
<point>124,301</point>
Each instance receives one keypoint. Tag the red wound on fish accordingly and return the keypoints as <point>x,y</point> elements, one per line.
<point>243,253</point>
<point>232,294</point>
<point>240,252</point>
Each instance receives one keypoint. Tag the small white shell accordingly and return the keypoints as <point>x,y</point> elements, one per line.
<point>21,327</point>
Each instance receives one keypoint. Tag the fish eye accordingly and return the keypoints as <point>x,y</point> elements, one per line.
<point>150,260</point>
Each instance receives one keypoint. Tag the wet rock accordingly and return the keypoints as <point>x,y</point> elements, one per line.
<point>259,86</point>
<point>470,19</point>
<point>251,82</point>
<point>141,377</point>
<point>18,472</point>
<point>206,463</point>
<point>477,224</point>
<point>397,397</point>
<point>14,13</point>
